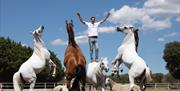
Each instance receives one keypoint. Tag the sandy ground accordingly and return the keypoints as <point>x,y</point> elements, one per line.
<point>87,90</point>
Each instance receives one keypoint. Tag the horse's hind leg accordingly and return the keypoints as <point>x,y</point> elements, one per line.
<point>83,85</point>
<point>83,81</point>
<point>76,86</point>
<point>131,80</point>
<point>144,85</point>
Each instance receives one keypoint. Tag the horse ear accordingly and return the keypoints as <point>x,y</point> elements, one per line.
<point>42,27</point>
<point>136,30</point>
<point>66,22</point>
<point>101,59</point>
<point>72,22</point>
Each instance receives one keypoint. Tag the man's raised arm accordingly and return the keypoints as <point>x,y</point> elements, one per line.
<point>80,18</point>
<point>105,18</point>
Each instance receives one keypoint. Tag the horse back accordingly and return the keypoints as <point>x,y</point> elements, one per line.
<point>75,53</point>
<point>74,57</point>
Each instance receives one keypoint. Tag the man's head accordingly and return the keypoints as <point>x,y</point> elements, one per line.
<point>93,19</point>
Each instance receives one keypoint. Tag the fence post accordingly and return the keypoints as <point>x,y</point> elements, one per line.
<point>168,85</point>
<point>54,85</point>
<point>155,85</point>
<point>45,86</point>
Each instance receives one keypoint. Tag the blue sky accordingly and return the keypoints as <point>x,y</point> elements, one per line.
<point>157,20</point>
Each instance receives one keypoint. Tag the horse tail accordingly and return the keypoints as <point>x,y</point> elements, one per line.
<point>148,74</point>
<point>17,81</point>
<point>80,71</point>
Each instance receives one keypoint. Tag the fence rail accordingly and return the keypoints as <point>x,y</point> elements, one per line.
<point>9,85</point>
<point>164,85</point>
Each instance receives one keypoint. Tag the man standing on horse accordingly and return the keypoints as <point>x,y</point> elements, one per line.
<point>93,33</point>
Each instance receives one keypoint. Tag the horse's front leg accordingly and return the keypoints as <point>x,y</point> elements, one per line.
<point>116,64</point>
<point>32,84</point>
<point>117,61</point>
<point>52,64</point>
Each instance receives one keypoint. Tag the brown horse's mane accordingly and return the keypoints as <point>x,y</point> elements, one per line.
<point>69,27</point>
<point>136,37</point>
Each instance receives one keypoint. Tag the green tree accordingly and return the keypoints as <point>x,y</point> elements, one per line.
<point>172,58</point>
<point>123,78</point>
<point>13,54</point>
<point>168,78</point>
<point>157,77</point>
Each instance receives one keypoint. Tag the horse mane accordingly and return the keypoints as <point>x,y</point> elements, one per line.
<point>136,37</point>
<point>69,27</point>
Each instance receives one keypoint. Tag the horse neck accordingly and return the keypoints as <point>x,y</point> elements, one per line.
<point>129,40</point>
<point>71,38</point>
<point>38,44</point>
<point>99,70</point>
<point>111,83</point>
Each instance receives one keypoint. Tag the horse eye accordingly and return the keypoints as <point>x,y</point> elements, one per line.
<point>125,28</point>
<point>102,63</point>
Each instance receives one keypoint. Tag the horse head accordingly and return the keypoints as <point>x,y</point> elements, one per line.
<point>107,81</point>
<point>69,27</point>
<point>125,29</point>
<point>38,32</point>
<point>129,29</point>
<point>115,70</point>
<point>104,64</point>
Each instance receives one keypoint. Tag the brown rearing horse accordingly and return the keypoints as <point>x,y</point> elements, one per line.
<point>74,61</point>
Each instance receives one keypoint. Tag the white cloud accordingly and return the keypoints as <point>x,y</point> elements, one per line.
<point>82,39</point>
<point>161,39</point>
<point>151,24</point>
<point>58,42</point>
<point>171,34</point>
<point>107,29</point>
<point>163,8</point>
<point>154,15</point>
<point>126,15</point>
<point>24,45</point>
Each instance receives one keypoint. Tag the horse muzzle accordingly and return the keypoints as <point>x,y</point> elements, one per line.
<point>119,29</point>
<point>107,69</point>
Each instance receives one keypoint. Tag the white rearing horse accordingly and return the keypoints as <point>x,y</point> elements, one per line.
<point>34,65</point>
<point>127,54</point>
<point>96,73</point>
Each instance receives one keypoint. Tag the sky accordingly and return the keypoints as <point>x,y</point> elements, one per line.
<point>158,22</point>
